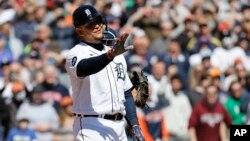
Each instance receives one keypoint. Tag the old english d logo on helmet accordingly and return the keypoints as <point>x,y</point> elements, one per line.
<point>87,12</point>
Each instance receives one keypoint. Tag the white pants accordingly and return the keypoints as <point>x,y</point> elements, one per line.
<point>98,129</point>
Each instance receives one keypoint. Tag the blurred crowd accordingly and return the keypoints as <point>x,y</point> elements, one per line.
<point>196,55</point>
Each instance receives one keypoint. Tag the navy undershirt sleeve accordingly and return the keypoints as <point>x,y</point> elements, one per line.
<point>92,65</point>
<point>130,108</point>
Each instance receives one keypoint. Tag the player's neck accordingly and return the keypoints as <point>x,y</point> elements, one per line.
<point>98,46</point>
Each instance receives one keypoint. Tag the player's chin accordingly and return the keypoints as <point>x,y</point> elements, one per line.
<point>99,37</point>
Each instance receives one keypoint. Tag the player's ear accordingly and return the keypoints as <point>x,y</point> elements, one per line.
<point>78,31</point>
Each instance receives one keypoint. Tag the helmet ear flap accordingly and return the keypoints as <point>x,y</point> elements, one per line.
<point>109,38</point>
<point>105,22</point>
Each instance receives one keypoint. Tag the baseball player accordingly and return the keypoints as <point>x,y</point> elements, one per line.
<point>100,84</point>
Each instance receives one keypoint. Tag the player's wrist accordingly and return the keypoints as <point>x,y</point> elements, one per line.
<point>110,54</point>
<point>135,125</point>
<point>137,132</point>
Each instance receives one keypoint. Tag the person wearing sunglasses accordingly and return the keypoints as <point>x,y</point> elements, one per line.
<point>100,83</point>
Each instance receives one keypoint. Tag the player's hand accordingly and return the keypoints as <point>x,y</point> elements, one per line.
<point>137,134</point>
<point>120,48</point>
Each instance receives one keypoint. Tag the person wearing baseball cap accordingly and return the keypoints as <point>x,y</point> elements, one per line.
<point>99,108</point>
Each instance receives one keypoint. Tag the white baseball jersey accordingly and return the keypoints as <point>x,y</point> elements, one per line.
<point>102,92</point>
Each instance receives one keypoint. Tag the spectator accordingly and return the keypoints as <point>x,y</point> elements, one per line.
<point>246,28</point>
<point>4,71</point>
<point>148,18</point>
<point>197,11</point>
<point>35,44</point>
<point>113,22</point>
<point>206,59</point>
<point>69,9</point>
<point>243,42</point>
<point>186,35</point>
<point>159,85</point>
<point>14,83</point>
<point>159,45</point>
<point>53,90</point>
<point>245,10</point>
<point>5,54</point>
<point>204,39</point>
<point>176,57</point>
<point>172,70</point>
<point>179,109</point>
<point>38,78</point>
<point>63,35</point>
<point>33,64</point>
<point>40,14</point>
<point>153,125</point>
<point>195,75</point>
<point>197,94</point>
<point>44,33</point>
<point>178,8</point>
<point>22,132</point>
<point>239,74</point>
<point>216,75</point>
<point>223,33</point>
<point>25,26</point>
<point>203,126</point>
<point>65,133</point>
<point>42,116</point>
<point>12,43</point>
<point>141,45</point>
<point>233,103</point>
<point>152,121</point>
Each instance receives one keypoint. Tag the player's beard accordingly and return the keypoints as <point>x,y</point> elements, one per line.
<point>99,37</point>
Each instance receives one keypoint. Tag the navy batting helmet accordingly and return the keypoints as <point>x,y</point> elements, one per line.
<point>109,38</point>
<point>85,14</point>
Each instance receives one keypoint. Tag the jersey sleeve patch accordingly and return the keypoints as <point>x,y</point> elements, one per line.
<point>74,60</point>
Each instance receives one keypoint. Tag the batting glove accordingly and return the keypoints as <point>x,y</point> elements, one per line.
<point>137,134</point>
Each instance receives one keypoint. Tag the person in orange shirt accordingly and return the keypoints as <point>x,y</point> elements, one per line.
<point>153,125</point>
